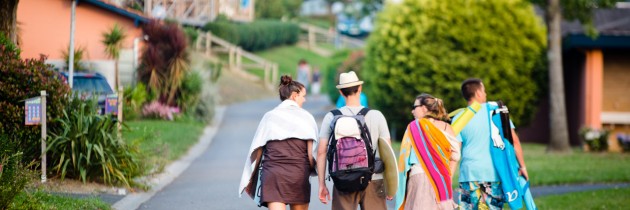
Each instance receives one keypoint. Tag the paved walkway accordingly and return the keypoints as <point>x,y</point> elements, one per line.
<point>210,180</point>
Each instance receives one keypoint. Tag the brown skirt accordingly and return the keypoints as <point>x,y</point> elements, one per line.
<point>285,172</point>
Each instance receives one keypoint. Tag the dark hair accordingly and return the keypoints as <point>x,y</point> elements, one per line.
<point>470,87</point>
<point>435,107</point>
<point>288,86</point>
<point>302,61</point>
<point>350,90</point>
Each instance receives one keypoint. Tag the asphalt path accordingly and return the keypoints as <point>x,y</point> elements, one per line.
<point>212,180</point>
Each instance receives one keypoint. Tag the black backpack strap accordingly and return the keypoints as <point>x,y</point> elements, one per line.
<point>336,112</point>
<point>364,111</point>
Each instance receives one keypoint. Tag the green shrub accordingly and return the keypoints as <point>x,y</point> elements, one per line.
<point>192,34</point>
<point>205,109</point>
<point>165,60</point>
<point>258,35</point>
<point>332,75</point>
<point>86,146</point>
<point>134,99</point>
<point>432,46</point>
<point>22,79</point>
<point>13,174</point>
<point>190,92</point>
<point>276,9</point>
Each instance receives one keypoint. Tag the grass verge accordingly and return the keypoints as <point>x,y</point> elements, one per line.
<point>42,200</point>
<point>598,199</point>
<point>167,140</point>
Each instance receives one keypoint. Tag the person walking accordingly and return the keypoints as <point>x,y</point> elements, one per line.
<point>428,157</point>
<point>479,183</point>
<point>373,196</point>
<point>316,85</point>
<point>280,158</point>
<point>303,73</point>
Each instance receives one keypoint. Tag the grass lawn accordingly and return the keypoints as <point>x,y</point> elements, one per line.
<point>168,139</point>
<point>42,200</point>
<point>598,199</point>
<point>578,167</point>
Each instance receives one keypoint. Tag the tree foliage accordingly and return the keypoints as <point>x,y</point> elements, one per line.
<point>432,46</point>
<point>276,9</point>
<point>581,10</point>
<point>22,79</point>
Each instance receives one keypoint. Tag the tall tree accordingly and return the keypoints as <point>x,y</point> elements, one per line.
<point>8,17</point>
<point>555,11</point>
<point>113,42</point>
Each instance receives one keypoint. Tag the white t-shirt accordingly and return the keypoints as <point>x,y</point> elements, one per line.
<point>374,120</point>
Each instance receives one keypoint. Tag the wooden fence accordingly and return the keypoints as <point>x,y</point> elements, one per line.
<point>315,35</point>
<point>210,44</point>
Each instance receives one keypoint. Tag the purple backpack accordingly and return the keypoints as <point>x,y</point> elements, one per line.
<point>350,154</point>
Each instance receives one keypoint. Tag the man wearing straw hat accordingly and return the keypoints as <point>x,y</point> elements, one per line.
<point>373,197</point>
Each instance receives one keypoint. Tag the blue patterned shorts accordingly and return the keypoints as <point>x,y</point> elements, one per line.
<point>480,196</point>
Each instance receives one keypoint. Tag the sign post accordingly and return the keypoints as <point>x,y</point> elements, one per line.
<point>35,114</point>
<point>43,107</point>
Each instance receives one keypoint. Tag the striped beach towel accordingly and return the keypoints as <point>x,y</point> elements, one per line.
<point>432,152</point>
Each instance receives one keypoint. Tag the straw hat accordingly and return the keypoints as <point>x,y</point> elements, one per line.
<point>349,79</point>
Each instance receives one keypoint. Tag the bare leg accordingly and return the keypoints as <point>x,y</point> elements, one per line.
<point>299,206</point>
<point>276,206</point>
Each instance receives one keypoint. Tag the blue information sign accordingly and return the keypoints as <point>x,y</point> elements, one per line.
<point>33,108</point>
<point>111,104</point>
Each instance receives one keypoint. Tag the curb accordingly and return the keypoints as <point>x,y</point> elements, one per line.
<point>173,170</point>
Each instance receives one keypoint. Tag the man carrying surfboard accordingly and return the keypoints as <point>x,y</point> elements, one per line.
<point>479,182</point>
<point>369,192</point>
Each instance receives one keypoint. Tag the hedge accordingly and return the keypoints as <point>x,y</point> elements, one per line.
<point>255,36</point>
<point>432,46</point>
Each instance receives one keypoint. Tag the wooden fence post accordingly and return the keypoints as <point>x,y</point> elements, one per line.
<point>231,58</point>
<point>275,74</point>
<point>208,43</point>
<point>311,38</point>
<point>267,76</point>
<point>239,57</point>
<point>198,41</point>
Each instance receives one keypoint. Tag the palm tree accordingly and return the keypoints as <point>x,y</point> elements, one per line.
<point>113,42</point>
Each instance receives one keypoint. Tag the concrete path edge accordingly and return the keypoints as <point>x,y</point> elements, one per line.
<point>173,170</point>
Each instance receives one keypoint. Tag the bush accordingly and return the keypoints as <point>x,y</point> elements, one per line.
<point>13,175</point>
<point>165,60</point>
<point>258,35</point>
<point>276,9</point>
<point>596,139</point>
<point>86,146</point>
<point>22,79</point>
<point>432,46</point>
<point>205,109</point>
<point>332,75</point>
<point>190,92</point>
<point>191,34</point>
<point>134,99</point>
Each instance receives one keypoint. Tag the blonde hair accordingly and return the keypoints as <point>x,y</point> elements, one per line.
<point>435,107</point>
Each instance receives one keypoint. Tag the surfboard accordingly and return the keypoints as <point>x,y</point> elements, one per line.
<point>390,175</point>
<point>467,114</point>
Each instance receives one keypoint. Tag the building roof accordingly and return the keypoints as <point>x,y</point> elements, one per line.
<point>136,16</point>
<point>608,22</point>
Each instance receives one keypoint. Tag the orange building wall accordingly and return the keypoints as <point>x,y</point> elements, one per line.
<point>45,28</point>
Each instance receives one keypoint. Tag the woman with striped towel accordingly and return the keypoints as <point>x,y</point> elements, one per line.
<point>428,156</point>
